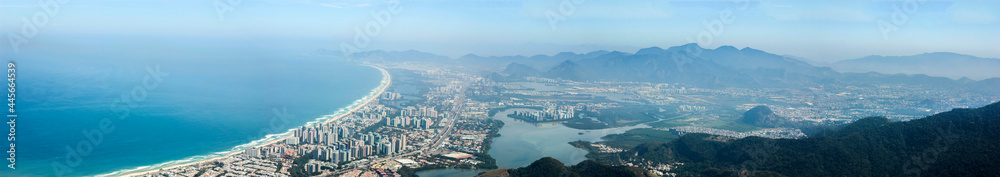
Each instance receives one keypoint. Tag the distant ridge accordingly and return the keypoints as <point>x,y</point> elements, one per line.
<point>725,66</point>
<point>944,64</point>
<point>517,69</point>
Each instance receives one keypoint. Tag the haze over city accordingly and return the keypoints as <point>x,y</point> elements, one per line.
<point>501,88</point>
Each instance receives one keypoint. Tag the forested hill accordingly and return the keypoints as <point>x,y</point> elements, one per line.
<point>960,142</point>
<point>550,167</point>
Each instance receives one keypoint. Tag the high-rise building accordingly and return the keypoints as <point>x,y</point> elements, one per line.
<point>312,167</point>
<point>292,141</point>
<point>427,123</point>
<point>389,148</point>
<point>331,138</point>
<point>252,152</point>
<point>402,143</point>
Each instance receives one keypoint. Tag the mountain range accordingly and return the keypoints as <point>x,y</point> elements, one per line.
<point>722,67</point>
<point>943,64</point>
<point>725,66</point>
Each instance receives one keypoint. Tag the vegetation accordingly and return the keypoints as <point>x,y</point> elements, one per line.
<point>299,166</point>
<point>764,117</point>
<point>376,126</point>
<point>715,172</point>
<point>629,139</point>
<point>596,155</point>
<point>628,115</point>
<point>961,142</point>
<point>202,171</point>
<point>615,117</point>
<point>586,124</point>
<point>549,166</point>
<point>488,161</point>
<point>407,172</point>
<point>635,137</point>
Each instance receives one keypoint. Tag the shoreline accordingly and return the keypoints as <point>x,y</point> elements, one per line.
<point>383,86</point>
<point>525,119</point>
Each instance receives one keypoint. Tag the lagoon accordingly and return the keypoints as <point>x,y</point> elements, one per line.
<point>521,143</point>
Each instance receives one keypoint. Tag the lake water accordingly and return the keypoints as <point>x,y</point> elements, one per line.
<point>521,143</point>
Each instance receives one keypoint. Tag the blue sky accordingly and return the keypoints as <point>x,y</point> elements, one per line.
<point>818,30</point>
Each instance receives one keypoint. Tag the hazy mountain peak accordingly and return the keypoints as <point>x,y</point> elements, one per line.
<point>564,54</point>
<point>567,63</point>
<point>943,53</point>
<point>616,53</point>
<point>726,48</point>
<point>964,79</point>
<point>748,49</point>
<point>515,68</point>
<point>539,56</point>
<point>685,47</point>
<point>690,45</point>
<point>944,64</point>
<point>651,51</point>
<point>599,52</point>
<point>469,56</point>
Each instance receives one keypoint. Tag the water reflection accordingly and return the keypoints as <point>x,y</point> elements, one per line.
<point>521,143</point>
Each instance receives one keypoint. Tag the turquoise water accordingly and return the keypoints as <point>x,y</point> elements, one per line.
<point>211,101</point>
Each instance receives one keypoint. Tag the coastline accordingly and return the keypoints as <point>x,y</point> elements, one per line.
<point>146,170</point>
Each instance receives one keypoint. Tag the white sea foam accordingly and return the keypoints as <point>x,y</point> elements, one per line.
<point>267,138</point>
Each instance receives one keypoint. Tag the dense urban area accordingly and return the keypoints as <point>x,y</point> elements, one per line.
<point>433,117</point>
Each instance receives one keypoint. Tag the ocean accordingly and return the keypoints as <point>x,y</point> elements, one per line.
<point>102,111</point>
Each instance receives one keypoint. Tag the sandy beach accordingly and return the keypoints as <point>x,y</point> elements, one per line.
<point>386,80</point>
